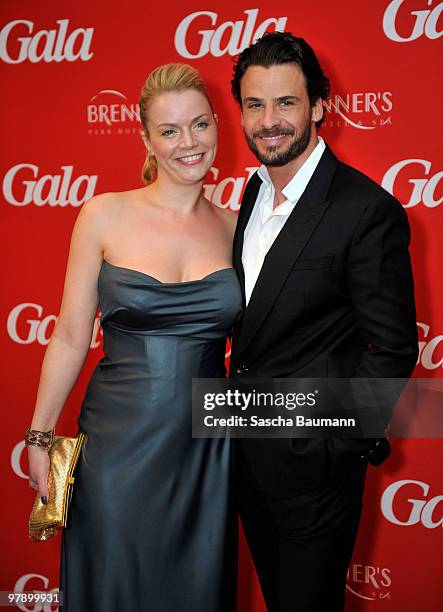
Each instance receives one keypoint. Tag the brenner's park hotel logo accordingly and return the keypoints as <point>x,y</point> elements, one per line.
<point>109,112</point>
<point>369,582</point>
<point>361,110</point>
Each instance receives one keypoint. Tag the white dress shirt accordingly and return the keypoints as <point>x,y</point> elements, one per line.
<point>265,221</point>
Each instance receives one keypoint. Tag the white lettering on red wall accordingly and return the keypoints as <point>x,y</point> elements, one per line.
<point>427,185</point>
<point>110,113</point>
<point>369,582</point>
<point>227,193</point>
<point>25,584</point>
<point>22,185</point>
<point>57,45</point>
<point>364,110</point>
<point>430,349</point>
<point>27,324</point>
<point>16,459</point>
<point>408,502</point>
<point>200,34</point>
<point>420,21</point>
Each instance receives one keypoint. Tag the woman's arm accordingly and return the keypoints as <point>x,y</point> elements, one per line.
<point>69,344</point>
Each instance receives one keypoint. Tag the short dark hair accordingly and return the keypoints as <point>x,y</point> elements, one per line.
<point>276,48</point>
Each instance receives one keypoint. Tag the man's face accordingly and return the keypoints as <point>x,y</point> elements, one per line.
<point>277,117</point>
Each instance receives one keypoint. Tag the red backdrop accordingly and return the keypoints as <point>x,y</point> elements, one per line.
<point>72,74</point>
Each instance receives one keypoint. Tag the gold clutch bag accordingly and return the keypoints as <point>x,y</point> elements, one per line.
<point>47,519</point>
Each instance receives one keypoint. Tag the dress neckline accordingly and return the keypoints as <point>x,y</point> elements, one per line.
<point>133,271</point>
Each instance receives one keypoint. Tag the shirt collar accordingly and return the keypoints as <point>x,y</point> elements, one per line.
<point>299,181</point>
<point>296,186</point>
<point>264,175</point>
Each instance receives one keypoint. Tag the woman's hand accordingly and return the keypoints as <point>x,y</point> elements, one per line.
<point>39,465</point>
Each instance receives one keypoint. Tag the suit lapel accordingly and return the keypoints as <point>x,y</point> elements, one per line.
<point>247,205</point>
<point>287,248</point>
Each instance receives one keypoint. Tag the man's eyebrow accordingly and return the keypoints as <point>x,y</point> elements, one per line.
<point>278,99</point>
<point>286,98</point>
<point>252,99</point>
<point>176,124</point>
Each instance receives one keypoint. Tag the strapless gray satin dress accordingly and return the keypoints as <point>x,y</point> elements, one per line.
<point>151,524</point>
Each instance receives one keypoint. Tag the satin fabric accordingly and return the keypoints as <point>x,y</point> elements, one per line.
<point>151,524</point>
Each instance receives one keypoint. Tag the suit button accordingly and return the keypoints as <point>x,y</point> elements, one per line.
<point>242,368</point>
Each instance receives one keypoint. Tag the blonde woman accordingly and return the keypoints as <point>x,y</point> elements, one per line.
<point>151,526</point>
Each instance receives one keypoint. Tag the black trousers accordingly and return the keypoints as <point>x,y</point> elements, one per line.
<point>301,537</point>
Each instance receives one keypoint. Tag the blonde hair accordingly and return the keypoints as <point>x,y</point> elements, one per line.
<point>169,77</point>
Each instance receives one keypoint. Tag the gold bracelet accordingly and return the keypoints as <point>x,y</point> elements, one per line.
<point>44,439</point>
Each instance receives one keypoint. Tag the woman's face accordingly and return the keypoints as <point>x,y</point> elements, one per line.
<point>182,135</point>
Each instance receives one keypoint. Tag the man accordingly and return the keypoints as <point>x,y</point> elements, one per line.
<point>322,251</point>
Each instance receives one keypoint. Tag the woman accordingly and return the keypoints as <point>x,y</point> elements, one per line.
<point>151,526</point>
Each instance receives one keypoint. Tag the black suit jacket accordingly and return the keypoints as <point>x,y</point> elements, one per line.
<point>335,295</point>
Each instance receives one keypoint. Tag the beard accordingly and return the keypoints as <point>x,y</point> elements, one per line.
<point>275,157</point>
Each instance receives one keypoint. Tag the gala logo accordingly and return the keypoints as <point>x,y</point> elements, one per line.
<point>26,325</point>
<point>16,460</point>
<point>406,503</point>
<point>420,22</point>
<point>425,185</point>
<point>427,348</point>
<point>44,605</point>
<point>229,37</point>
<point>227,193</point>
<point>45,45</point>
<point>22,186</point>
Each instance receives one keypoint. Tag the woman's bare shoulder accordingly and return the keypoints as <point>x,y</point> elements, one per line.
<point>108,207</point>
<point>226,216</point>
